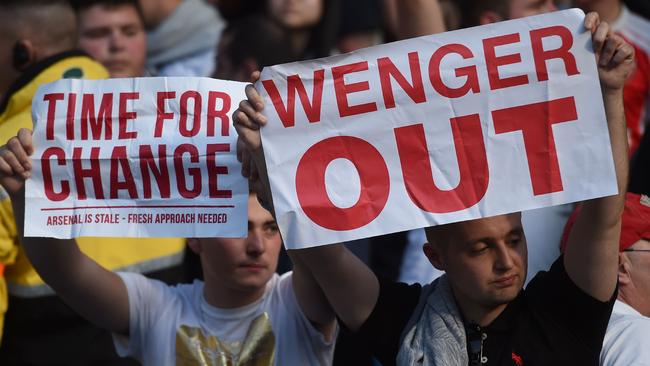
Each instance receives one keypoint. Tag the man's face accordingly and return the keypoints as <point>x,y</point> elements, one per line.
<point>525,8</point>
<point>640,275</point>
<point>115,37</point>
<point>244,264</point>
<point>296,14</point>
<point>485,259</point>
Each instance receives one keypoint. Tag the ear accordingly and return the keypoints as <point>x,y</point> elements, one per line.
<point>432,252</point>
<point>24,54</point>
<point>195,245</point>
<point>489,17</point>
<point>624,269</point>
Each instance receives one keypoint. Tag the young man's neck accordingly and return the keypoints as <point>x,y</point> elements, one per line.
<point>221,296</point>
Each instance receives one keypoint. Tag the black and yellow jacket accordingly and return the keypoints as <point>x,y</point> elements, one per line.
<point>20,279</point>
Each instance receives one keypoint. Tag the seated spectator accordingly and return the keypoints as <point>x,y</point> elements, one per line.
<point>242,314</point>
<point>112,32</point>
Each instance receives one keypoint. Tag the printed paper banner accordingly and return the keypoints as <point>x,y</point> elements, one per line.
<point>144,157</point>
<point>437,129</point>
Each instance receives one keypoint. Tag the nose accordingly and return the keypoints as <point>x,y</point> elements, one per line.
<point>255,243</point>
<point>504,258</point>
<point>116,41</point>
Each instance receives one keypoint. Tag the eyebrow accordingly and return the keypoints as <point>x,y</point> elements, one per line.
<point>519,230</point>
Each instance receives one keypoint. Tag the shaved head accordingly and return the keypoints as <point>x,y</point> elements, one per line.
<point>485,261</point>
<point>49,25</point>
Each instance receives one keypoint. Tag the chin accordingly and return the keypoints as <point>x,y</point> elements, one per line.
<point>505,296</point>
<point>254,282</point>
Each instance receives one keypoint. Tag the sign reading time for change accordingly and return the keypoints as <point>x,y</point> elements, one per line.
<point>145,157</point>
<point>437,129</point>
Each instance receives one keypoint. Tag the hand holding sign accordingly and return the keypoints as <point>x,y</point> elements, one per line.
<point>544,103</point>
<point>15,161</point>
<point>248,120</point>
<point>614,56</point>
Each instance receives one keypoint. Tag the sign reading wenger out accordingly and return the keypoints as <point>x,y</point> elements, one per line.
<point>144,157</point>
<point>436,129</point>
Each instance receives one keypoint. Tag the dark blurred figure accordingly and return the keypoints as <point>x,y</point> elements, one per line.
<point>112,32</point>
<point>249,44</point>
<point>361,25</point>
<point>312,25</point>
<point>640,168</point>
<point>641,7</point>
<point>182,35</point>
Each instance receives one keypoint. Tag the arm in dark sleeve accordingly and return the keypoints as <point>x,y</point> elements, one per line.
<point>383,328</point>
<point>554,294</point>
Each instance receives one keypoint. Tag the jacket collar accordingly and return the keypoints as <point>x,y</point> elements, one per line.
<point>32,72</point>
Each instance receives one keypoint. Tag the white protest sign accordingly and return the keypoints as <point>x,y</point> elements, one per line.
<point>144,157</point>
<point>436,129</point>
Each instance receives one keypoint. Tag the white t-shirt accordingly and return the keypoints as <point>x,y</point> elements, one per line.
<point>176,326</point>
<point>627,341</point>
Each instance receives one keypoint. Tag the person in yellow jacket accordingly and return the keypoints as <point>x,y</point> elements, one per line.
<point>37,41</point>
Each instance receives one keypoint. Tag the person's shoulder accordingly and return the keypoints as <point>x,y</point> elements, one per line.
<point>145,287</point>
<point>280,288</point>
<point>626,340</point>
<point>628,322</point>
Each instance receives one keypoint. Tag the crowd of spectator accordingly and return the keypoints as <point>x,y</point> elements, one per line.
<point>389,300</point>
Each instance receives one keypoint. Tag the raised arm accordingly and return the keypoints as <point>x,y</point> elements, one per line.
<point>591,258</point>
<point>347,284</point>
<point>96,293</point>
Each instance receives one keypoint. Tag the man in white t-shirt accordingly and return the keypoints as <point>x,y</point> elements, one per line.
<point>626,341</point>
<point>243,312</point>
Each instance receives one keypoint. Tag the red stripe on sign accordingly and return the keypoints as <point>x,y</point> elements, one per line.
<point>147,206</point>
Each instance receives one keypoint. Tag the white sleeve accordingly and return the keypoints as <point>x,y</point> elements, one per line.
<point>628,345</point>
<point>146,297</point>
<point>306,329</point>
